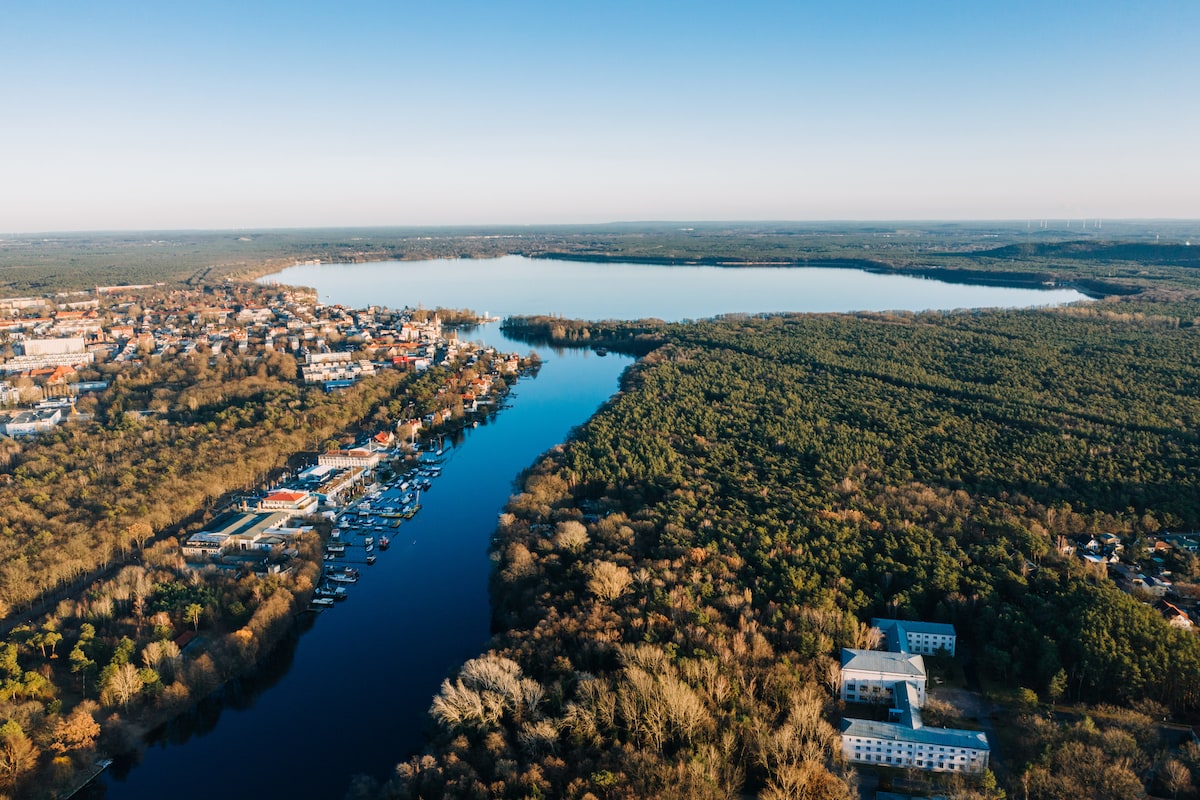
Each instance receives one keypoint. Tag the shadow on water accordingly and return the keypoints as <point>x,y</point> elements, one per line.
<point>238,694</point>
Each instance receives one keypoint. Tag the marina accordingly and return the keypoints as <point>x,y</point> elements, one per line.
<point>358,524</point>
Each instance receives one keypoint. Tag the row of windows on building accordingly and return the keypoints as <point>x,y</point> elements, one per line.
<point>858,744</point>
<point>920,762</point>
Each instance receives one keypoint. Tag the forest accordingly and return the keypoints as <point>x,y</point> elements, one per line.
<point>672,586</point>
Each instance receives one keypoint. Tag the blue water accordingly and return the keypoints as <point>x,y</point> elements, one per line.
<point>350,695</point>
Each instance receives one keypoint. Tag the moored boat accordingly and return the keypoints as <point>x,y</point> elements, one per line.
<point>332,592</point>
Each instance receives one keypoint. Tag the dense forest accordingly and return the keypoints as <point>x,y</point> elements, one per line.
<point>672,586</point>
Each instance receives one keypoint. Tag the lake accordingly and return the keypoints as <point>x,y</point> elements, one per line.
<point>587,290</point>
<point>350,694</point>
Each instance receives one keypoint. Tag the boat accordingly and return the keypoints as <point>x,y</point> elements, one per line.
<point>332,592</point>
<point>343,578</point>
<point>370,540</point>
<point>371,558</point>
<point>601,351</point>
<point>370,547</point>
<point>384,543</point>
<point>321,602</point>
<point>336,547</point>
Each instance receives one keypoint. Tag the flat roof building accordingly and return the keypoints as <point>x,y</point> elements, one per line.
<point>898,677</point>
<point>910,636</point>
<point>870,676</point>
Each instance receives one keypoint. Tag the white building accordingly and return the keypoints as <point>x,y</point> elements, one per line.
<point>358,458</point>
<point>28,422</point>
<point>926,638</point>
<point>907,743</point>
<point>236,531</point>
<point>22,363</point>
<point>289,500</point>
<point>337,371</point>
<point>870,676</point>
<point>53,347</point>
<point>898,678</point>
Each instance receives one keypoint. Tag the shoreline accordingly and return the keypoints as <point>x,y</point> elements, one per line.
<point>1093,288</point>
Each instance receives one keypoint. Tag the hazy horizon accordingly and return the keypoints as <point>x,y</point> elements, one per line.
<point>1117,226</point>
<point>130,116</point>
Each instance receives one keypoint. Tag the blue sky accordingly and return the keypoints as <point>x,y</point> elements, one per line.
<point>141,115</point>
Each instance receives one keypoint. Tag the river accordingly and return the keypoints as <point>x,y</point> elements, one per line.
<point>350,694</point>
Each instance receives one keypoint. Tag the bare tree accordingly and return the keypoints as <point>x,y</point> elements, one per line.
<point>571,536</point>
<point>125,684</point>
<point>1175,776</point>
<point>832,676</point>
<point>609,581</point>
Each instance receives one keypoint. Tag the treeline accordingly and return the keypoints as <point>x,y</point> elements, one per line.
<point>34,264</point>
<point>674,585</point>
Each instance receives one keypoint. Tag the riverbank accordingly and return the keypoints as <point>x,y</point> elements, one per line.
<point>354,688</point>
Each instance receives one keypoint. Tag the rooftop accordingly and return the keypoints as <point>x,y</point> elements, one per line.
<point>285,496</point>
<point>238,523</point>
<point>879,661</point>
<point>944,737</point>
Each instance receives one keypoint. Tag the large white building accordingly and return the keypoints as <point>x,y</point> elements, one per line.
<point>870,676</point>
<point>30,421</point>
<point>53,347</point>
<point>898,678</point>
<point>357,458</point>
<point>905,742</point>
<point>926,638</point>
<point>237,531</point>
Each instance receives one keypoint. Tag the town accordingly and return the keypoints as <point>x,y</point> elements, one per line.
<point>61,349</point>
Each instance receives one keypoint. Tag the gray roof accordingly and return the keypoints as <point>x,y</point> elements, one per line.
<point>880,661</point>
<point>942,737</point>
<point>914,626</point>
